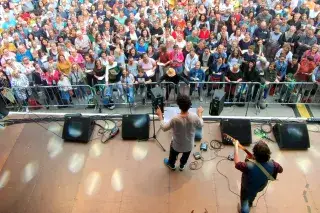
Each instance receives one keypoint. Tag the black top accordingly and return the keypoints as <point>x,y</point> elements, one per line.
<point>99,72</point>
<point>251,76</point>
<point>175,79</point>
<point>244,45</point>
<point>292,68</point>
<point>155,31</point>
<point>234,76</point>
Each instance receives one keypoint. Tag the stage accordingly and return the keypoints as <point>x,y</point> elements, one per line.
<point>41,174</point>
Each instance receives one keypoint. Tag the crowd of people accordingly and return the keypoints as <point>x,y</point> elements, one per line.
<point>125,45</point>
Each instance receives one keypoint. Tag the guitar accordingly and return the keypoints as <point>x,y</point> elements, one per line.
<point>231,139</point>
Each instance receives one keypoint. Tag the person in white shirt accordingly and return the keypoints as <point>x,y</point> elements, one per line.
<point>190,62</point>
<point>82,43</point>
<point>127,80</point>
<point>313,13</point>
<point>65,89</point>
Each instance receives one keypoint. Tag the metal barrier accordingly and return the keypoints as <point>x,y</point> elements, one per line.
<point>235,92</point>
<point>131,94</point>
<point>100,95</point>
<point>37,97</point>
<point>291,93</point>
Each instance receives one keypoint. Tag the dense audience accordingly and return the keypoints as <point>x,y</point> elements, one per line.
<point>120,47</point>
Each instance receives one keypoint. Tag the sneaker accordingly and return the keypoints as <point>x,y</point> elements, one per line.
<point>201,99</point>
<point>166,162</point>
<point>182,167</point>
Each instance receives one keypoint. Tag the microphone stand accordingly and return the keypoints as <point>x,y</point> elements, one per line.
<point>127,95</point>
<point>154,131</point>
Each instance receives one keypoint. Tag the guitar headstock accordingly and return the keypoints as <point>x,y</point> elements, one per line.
<point>229,138</point>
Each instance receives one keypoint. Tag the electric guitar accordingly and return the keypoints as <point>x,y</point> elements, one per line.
<point>231,139</point>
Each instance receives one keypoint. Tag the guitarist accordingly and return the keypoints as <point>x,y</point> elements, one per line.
<point>254,179</point>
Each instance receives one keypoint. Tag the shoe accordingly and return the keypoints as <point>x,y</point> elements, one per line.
<point>201,99</point>
<point>182,167</point>
<point>123,98</point>
<point>111,107</point>
<point>166,162</point>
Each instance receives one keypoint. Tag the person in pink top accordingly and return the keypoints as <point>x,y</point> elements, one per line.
<point>76,57</point>
<point>176,57</point>
<point>314,52</point>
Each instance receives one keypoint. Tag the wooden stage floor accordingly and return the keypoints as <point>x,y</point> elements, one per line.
<point>41,174</point>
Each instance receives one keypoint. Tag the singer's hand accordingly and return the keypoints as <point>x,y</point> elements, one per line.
<point>200,110</point>
<point>159,113</point>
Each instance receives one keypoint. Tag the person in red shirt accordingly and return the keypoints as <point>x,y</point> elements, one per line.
<point>307,65</point>
<point>204,33</point>
<point>181,22</point>
<point>253,179</point>
<point>177,32</point>
<point>164,59</point>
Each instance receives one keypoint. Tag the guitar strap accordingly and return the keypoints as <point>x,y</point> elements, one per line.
<point>269,176</point>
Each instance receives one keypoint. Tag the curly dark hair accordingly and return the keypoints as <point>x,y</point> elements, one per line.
<point>261,152</point>
<point>184,102</point>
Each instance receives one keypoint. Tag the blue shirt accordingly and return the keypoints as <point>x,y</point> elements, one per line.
<point>20,56</point>
<point>316,75</point>
<point>281,68</point>
<point>197,73</point>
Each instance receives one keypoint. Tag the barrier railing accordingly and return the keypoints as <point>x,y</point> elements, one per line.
<point>37,97</point>
<point>291,93</point>
<point>84,96</point>
<point>235,92</point>
<point>134,94</point>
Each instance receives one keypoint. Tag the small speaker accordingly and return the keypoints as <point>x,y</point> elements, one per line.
<point>135,127</point>
<point>3,110</point>
<point>291,136</point>
<point>239,129</point>
<point>77,128</point>
<point>216,105</point>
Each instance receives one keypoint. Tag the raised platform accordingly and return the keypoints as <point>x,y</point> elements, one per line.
<point>41,174</point>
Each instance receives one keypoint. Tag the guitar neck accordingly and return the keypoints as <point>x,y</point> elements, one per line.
<point>244,149</point>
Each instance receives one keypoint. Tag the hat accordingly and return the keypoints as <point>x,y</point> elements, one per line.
<point>171,72</point>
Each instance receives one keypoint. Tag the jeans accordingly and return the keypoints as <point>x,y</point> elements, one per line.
<point>169,87</point>
<point>174,155</point>
<point>80,92</point>
<point>194,86</point>
<point>130,96</point>
<point>111,86</point>
<point>179,69</point>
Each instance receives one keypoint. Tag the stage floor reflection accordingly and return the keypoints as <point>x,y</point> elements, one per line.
<point>41,174</point>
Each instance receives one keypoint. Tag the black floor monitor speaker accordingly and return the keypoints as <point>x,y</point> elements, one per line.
<point>135,126</point>
<point>291,136</point>
<point>77,128</point>
<point>239,129</point>
<point>3,110</point>
<point>216,105</point>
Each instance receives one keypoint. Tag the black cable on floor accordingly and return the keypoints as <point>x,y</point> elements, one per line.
<point>215,145</point>
<point>104,131</point>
